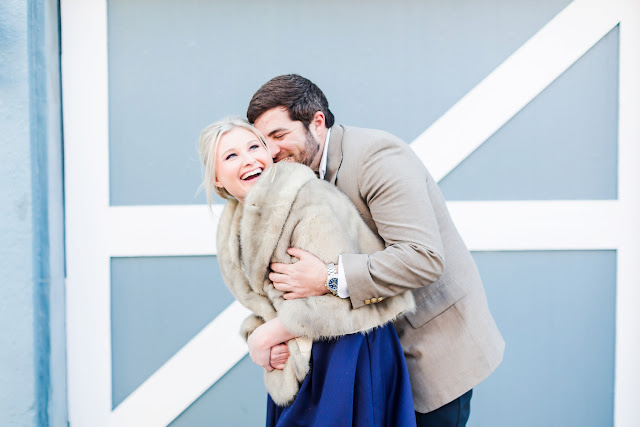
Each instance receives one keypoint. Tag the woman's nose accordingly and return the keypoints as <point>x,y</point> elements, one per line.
<point>249,159</point>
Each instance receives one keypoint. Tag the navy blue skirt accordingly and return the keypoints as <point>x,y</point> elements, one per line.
<point>354,380</point>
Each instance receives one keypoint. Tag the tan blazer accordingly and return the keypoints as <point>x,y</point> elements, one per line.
<point>451,341</point>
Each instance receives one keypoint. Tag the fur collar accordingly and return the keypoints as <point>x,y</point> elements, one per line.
<point>266,208</point>
<point>262,218</point>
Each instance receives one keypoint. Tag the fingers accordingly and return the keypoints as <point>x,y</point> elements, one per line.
<point>279,356</point>
<point>298,253</point>
<point>279,353</point>
<point>278,278</point>
<point>282,287</point>
<point>280,349</point>
<point>279,267</point>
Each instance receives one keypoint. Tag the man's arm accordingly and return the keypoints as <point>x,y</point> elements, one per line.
<point>393,183</point>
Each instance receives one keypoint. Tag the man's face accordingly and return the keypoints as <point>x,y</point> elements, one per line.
<point>289,141</point>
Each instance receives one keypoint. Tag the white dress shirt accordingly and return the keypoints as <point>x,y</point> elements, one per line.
<point>343,291</point>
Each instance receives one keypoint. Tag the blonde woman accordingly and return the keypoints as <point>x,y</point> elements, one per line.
<point>343,367</point>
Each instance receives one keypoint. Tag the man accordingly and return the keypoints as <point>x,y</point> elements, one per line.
<point>451,342</point>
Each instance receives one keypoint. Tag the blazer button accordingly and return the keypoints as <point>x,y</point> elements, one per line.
<point>367,301</point>
<point>380,299</point>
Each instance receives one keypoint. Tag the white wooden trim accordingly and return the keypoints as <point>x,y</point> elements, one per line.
<point>163,230</point>
<point>187,375</point>
<point>86,138</point>
<point>538,225</point>
<point>485,226</point>
<point>627,374</point>
<point>511,86</point>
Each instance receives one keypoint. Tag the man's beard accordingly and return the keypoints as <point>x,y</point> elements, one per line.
<point>311,148</point>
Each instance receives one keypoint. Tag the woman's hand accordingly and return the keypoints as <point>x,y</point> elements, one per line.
<point>259,349</point>
<point>279,356</point>
<point>263,338</point>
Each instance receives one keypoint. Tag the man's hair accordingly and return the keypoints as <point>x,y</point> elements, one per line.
<point>300,96</point>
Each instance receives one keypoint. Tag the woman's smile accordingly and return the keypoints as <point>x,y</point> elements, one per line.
<point>252,175</point>
<point>241,159</point>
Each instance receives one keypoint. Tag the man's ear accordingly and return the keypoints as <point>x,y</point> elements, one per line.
<point>318,121</point>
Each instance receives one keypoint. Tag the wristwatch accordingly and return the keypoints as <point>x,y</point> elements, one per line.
<point>332,279</point>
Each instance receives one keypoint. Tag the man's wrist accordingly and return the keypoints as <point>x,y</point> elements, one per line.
<point>332,279</point>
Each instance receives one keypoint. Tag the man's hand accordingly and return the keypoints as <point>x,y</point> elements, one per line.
<point>304,278</point>
<point>279,356</point>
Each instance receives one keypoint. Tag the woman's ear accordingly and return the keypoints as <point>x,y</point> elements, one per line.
<point>217,183</point>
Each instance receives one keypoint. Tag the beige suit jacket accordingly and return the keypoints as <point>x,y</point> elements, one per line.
<point>451,342</point>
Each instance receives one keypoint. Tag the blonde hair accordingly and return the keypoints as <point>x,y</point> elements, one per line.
<point>209,140</point>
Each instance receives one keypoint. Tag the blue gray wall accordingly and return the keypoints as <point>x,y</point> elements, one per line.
<point>32,358</point>
<point>174,67</point>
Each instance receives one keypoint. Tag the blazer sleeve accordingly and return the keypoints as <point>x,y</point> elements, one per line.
<point>394,184</point>
<point>326,227</point>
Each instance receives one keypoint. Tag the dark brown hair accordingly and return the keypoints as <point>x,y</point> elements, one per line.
<point>300,96</point>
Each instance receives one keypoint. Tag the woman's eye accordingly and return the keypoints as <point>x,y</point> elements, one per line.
<point>230,156</point>
<point>254,147</point>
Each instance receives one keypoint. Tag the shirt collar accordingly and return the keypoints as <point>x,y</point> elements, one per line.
<point>322,170</point>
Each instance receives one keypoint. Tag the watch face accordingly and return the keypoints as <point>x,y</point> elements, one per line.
<point>333,283</point>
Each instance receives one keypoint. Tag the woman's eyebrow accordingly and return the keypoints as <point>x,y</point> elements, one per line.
<point>225,153</point>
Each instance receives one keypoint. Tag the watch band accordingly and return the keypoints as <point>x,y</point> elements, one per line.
<point>332,279</point>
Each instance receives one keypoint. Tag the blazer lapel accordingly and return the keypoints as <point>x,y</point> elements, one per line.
<point>334,157</point>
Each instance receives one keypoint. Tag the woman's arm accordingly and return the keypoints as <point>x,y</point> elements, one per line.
<point>264,338</point>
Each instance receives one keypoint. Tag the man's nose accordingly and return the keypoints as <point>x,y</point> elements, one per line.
<point>274,149</point>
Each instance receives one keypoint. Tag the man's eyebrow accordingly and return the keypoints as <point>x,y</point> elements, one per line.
<point>273,132</point>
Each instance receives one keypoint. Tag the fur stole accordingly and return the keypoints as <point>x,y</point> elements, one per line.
<point>290,207</point>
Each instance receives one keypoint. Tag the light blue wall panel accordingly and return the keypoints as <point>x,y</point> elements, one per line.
<point>175,66</point>
<point>563,145</point>
<point>32,342</point>
<point>238,399</point>
<point>556,311</point>
<point>18,346</point>
<point>157,305</point>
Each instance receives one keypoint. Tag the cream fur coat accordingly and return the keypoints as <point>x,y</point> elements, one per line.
<point>290,207</point>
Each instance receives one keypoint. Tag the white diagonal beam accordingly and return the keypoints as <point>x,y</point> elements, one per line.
<point>511,86</point>
<point>187,375</point>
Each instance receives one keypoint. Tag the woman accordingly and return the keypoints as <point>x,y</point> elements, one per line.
<point>344,377</point>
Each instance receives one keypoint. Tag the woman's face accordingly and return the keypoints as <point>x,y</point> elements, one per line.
<point>240,160</point>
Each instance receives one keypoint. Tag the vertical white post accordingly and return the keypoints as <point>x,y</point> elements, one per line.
<point>627,377</point>
<point>84,88</point>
